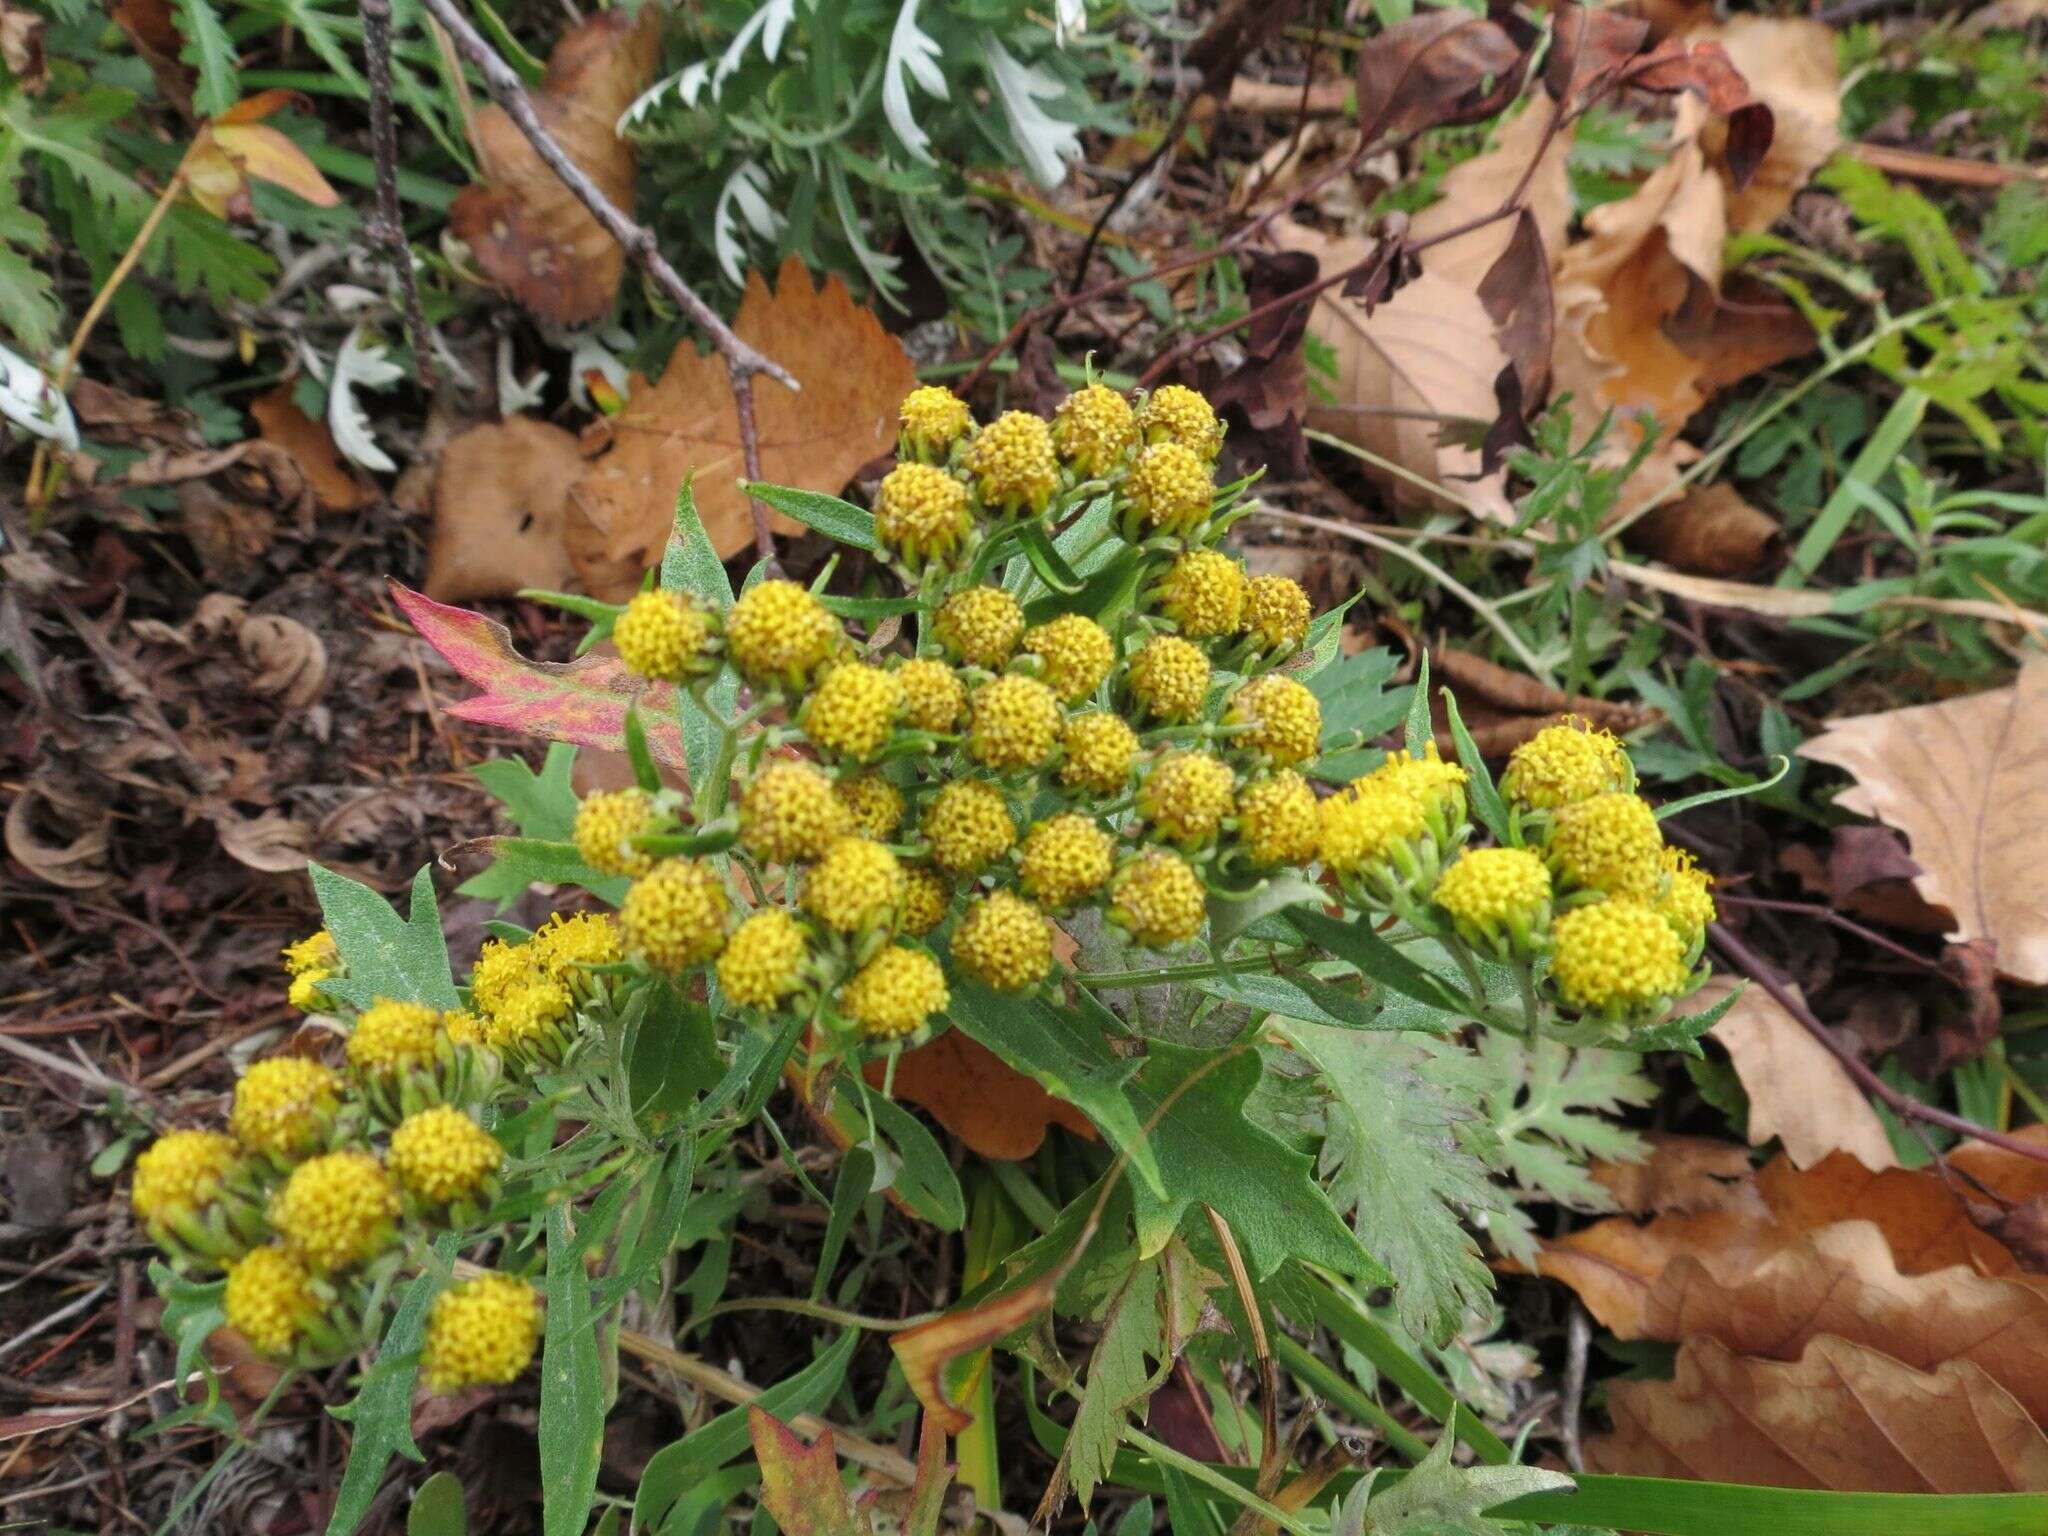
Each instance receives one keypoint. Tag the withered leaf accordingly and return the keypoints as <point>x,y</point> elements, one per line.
<point>1589,45</point>
<point>501,497</point>
<point>1710,530</point>
<point>1436,68</point>
<point>1789,65</point>
<point>991,1106</point>
<point>335,485</point>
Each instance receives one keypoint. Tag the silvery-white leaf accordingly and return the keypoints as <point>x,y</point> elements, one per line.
<point>350,299</point>
<point>686,85</point>
<point>360,363</point>
<point>514,395</point>
<point>769,24</point>
<point>32,403</point>
<point>593,352</point>
<point>912,56</point>
<point>1069,19</point>
<point>1047,143</point>
<point>744,195</point>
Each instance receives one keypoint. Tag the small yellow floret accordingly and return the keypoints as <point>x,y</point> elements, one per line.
<point>1170,489</point>
<point>392,1036</point>
<point>462,1027</point>
<point>1432,783</point>
<point>1170,678</point>
<point>1564,764</point>
<point>894,993</point>
<point>926,898</point>
<point>765,959</point>
<point>933,418</point>
<point>526,1015</point>
<point>268,1299</point>
<point>662,635</point>
<point>1362,826</point>
<point>1097,752</point>
<point>1158,899</point>
<point>791,812</point>
<point>780,633</point>
<point>1004,942</point>
<point>934,698</point>
<point>441,1154</point>
<point>500,970</point>
<point>565,947</point>
<point>856,888</point>
<point>335,1211</point>
<point>1013,463</point>
<point>1609,843</point>
<point>1203,592</point>
<point>1015,723</point>
<point>969,827</point>
<point>1077,653</point>
<point>1286,719</point>
<point>1688,903</point>
<point>853,710</point>
<point>1276,612</point>
<point>674,916</point>
<point>315,952</point>
<point>921,513</point>
<point>1616,955</point>
<point>1276,820</point>
<point>1093,429</point>
<point>1177,414</point>
<point>1496,891</point>
<point>875,805</point>
<point>981,626</point>
<point>282,1105</point>
<point>180,1173</point>
<point>481,1333</point>
<point>606,825</point>
<point>1066,858</point>
<point>1186,796</point>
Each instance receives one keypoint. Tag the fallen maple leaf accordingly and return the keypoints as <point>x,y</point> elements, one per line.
<point>991,1106</point>
<point>501,494</point>
<point>1967,781</point>
<point>524,228</point>
<point>1682,1174</point>
<point>854,375</point>
<point>335,486</point>
<point>1842,1417</point>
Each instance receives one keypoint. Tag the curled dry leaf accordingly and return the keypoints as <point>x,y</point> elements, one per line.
<point>335,485</point>
<point>991,1106</point>
<point>42,811</point>
<point>1967,781</point>
<point>527,231</point>
<point>1842,1416</point>
<point>1789,65</point>
<point>288,660</point>
<point>501,496</point>
<point>272,844</point>
<point>1436,68</point>
<point>853,374</point>
<point>1712,531</point>
<point>1504,708</point>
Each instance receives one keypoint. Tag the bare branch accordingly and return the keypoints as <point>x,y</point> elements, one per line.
<point>387,229</point>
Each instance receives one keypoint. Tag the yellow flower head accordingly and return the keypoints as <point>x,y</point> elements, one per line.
<point>1158,899</point>
<point>934,698</point>
<point>1093,429</point>
<point>674,916</point>
<point>1615,956</point>
<point>269,1298</point>
<point>853,710</point>
<point>500,970</point>
<point>480,1333</point>
<point>981,626</point>
<point>969,827</point>
<point>1688,903</point>
<point>1177,414</point>
<point>1012,462</point>
<point>526,1015</point>
<point>1077,653</point>
<point>894,993</point>
<point>1362,826</point>
<point>1203,593</point>
<point>1170,678</point>
<point>180,1173</point>
<point>1276,820</point>
<point>463,1027</point>
<point>790,812</point>
<point>921,513</point>
<point>441,1154</point>
<point>1097,752</point>
<point>1564,764</point>
<point>315,952</point>
<point>565,947</point>
<point>780,633</point>
<point>1186,796</point>
<point>1276,611</point>
<point>874,804</point>
<point>765,959</point>
<point>606,825</point>
<point>856,888</point>
<point>1286,719</point>
<point>933,418</point>
<point>1170,489</point>
<point>1015,723</point>
<point>1431,782</point>
<point>282,1105</point>
<point>662,635</point>
<point>336,1210</point>
<point>1608,843</point>
<point>1067,858</point>
<point>1496,892</point>
<point>1004,942</point>
<point>391,1036</point>
<point>926,898</point>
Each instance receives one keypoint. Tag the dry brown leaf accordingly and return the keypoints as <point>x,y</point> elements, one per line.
<point>287,661</point>
<point>272,844</point>
<point>1435,68</point>
<point>991,1106</point>
<point>335,485</point>
<point>2008,1175</point>
<point>78,862</point>
<point>1791,68</point>
<point>853,373</point>
<point>527,231</point>
<point>501,497</point>
<point>1797,1091</point>
<point>1476,187</point>
<point>1841,1417</point>
<point>1682,1175</point>
<point>1967,781</point>
<point>1711,530</point>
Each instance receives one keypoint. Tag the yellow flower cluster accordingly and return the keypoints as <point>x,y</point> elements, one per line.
<point>481,1333</point>
<point>662,635</point>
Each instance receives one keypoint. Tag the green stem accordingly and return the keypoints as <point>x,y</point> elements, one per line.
<point>1193,971</point>
<point>1321,1377</point>
<point>1210,1477</point>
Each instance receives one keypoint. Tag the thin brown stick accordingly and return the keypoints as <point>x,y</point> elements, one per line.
<point>742,362</point>
<point>387,228</point>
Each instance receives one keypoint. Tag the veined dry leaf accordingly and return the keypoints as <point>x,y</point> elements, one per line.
<point>1967,781</point>
<point>1476,187</point>
<point>1790,66</point>
<point>853,375</point>
<point>271,844</point>
<point>991,1106</point>
<point>527,231</point>
<point>1711,530</point>
<point>1436,68</point>
<point>2008,1175</point>
<point>335,486</point>
<point>1841,1417</point>
<point>1798,1092</point>
<point>501,497</point>
<point>1682,1175</point>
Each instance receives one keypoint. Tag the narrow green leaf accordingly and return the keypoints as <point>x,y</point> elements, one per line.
<point>572,1399</point>
<point>404,959</point>
<point>1418,735</point>
<point>518,863</point>
<point>439,1508</point>
<point>1300,997</point>
<point>1047,562</point>
<point>1710,796</point>
<point>645,774</point>
<point>1356,943</point>
<point>856,1178</point>
<point>668,1206</point>
<point>382,1411</point>
<point>836,519</point>
<point>1232,913</point>
<point>925,1178</point>
<point>1487,804</point>
<point>596,610</point>
<point>689,562</point>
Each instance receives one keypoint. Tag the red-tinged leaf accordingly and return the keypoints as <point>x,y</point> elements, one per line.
<point>583,702</point>
<point>934,1477</point>
<point>800,1483</point>
<point>926,1350</point>
<point>1702,68</point>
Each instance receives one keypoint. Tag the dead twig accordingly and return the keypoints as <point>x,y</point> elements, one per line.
<point>387,227</point>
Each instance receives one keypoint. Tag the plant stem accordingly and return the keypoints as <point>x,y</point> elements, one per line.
<point>1193,971</point>
<point>387,228</point>
<point>1322,1377</point>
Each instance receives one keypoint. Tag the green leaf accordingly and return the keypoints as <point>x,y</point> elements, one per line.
<point>191,1311</point>
<point>1355,698</point>
<point>1234,912</point>
<point>382,1412</point>
<point>672,1052</point>
<point>836,519</point>
<point>1416,735</point>
<point>1681,1032</point>
<point>668,1205</point>
<point>800,1483</point>
<point>1325,635</point>
<point>28,302</point>
<point>439,1508</point>
<point>923,1175</point>
<point>572,1399</point>
<point>1298,997</point>
<point>1440,1499</point>
<point>209,50</point>
<point>1117,1379</point>
<point>519,863</point>
<point>690,564</point>
<point>541,805</point>
<point>1487,804</point>
<point>645,774</point>
<point>1710,796</point>
<point>405,959</point>
<point>1047,562</point>
<point>856,1179</point>
<point>1355,943</point>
